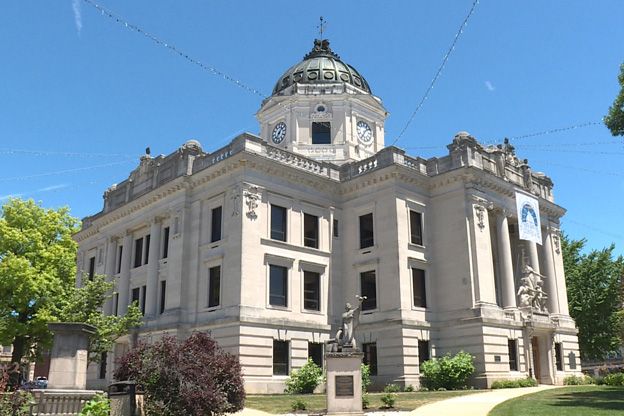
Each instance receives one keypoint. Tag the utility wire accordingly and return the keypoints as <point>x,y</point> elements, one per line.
<point>60,153</point>
<point>546,132</point>
<point>60,172</point>
<point>209,68</point>
<point>439,71</point>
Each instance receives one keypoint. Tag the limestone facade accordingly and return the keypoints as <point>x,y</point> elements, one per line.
<point>263,241</point>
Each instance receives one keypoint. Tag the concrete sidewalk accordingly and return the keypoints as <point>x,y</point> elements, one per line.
<point>478,404</point>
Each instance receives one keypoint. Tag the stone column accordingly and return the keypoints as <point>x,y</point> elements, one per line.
<point>506,262</point>
<point>124,276</point>
<point>551,276</point>
<point>151,296</point>
<point>533,257</point>
<point>109,270</point>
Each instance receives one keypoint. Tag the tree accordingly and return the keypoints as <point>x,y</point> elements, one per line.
<point>193,377</point>
<point>594,295</point>
<point>37,281</point>
<point>614,120</point>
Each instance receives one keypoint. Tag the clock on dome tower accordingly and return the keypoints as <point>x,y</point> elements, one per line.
<point>324,109</point>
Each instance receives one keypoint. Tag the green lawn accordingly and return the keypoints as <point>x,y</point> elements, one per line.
<point>567,401</point>
<point>281,403</point>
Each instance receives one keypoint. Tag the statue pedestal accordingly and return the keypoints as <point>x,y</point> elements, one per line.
<point>69,356</point>
<point>344,383</point>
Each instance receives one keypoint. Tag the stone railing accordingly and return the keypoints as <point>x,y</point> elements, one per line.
<point>295,160</point>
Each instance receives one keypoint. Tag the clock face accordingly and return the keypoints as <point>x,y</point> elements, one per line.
<point>364,132</point>
<point>279,132</point>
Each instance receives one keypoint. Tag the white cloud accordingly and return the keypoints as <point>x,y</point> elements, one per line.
<point>489,86</point>
<point>53,187</point>
<point>77,15</point>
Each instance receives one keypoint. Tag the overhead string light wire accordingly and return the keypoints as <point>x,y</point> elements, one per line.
<point>438,72</point>
<point>213,70</point>
<point>60,172</point>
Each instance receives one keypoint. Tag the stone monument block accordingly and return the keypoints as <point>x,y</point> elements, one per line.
<point>344,383</point>
<point>70,355</point>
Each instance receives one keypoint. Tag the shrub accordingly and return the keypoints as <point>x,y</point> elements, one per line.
<point>614,379</point>
<point>193,377</point>
<point>12,403</point>
<point>448,372</point>
<point>574,381</point>
<point>366,378</point>
<point>298,405</point>
<point>304,380</point>
<point>365,400</point>
<point>388,400</point>
<point>98,406</point>
<point>391,388</point>
<point>408,388</point>
<point>510,384</point>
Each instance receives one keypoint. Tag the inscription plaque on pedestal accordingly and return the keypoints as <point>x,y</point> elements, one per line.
<point>344,386</point>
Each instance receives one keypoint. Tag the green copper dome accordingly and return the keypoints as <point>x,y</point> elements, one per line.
<point>319,66</point>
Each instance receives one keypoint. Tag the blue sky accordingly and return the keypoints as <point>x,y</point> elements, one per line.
<point>81,96</point>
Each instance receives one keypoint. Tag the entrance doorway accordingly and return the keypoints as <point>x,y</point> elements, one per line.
<point>537,373</point>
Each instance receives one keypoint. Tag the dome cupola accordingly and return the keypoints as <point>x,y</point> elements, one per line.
<point>321,66</point>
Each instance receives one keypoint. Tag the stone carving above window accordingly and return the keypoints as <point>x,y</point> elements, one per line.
<point>252,195</point>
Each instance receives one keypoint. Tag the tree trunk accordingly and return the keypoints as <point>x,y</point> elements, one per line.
<point>19,349</point>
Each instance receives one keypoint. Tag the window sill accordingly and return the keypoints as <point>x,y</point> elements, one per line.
<point>312,312</point>
<point>417,247</point>
<point>279,308</point>
<point>212,308</point>
<point>420,308</point>
<point>288,246</point>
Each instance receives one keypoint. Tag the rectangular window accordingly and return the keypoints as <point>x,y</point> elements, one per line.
<point>278,285</point>
<point>102,369</point>
<point>315,351</point>
<point>163,295</point>
<point>91,268</point>
<point>147,245</point>
<point>278,223</point>
<point>311,291</point>
<point>310,231</point>
<point>165,243</point>
<point>512,346</point>
<point>367,238</point>
<point>423,351</point>
<point>416,236</point>
<point>370,356</point>
<point>368,286</point>
<point>136,295</point>
<point>559,355</point>
<point>7,349</point>
<point>336,228</point>
<point>138,252</point>
<point>115,304</point>
<point>321,132</point>
<point>280,358</point>
<point>418,287</point>
<point>214,286</point>
<point>143,292</point>
<point>215,224</point>
<point>119,256</point>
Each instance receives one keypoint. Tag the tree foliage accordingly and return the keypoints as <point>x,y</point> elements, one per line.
<point>37,282</point>
<point>614,120</point>
<point>594,282</point>
<point>193,377</point>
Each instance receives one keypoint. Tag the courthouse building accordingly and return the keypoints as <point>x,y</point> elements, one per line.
<point>263,241</point>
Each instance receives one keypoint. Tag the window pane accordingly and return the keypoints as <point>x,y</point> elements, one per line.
<point>513,354</point>
<point>416,227</point>
<point>369,290</point>
<point>315,351</point>
<point>147,246</point>
<point>278,223</point>
<point>91,268</point>
<point>120,251</point>
<point>142,306</point>
<point>280,358</point>
<point>559,356</point>
<point>336,228</point>
<point>163,295</point>
<point>215,228</point>
<point>370,356</point>
<point>166,243</point>
<point>214,286</point>
<point>311,291</point>
<point>278,285</point>
<point>310,230</point>
<point>321,133</point>
<point>138,252</point>
<point>136,294</point>
<point>366,231</point>
<point>102,370</point>
<point>423,351</point>
<point>418,286</point>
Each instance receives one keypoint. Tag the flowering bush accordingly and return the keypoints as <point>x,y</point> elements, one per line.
<point>193,377</point>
